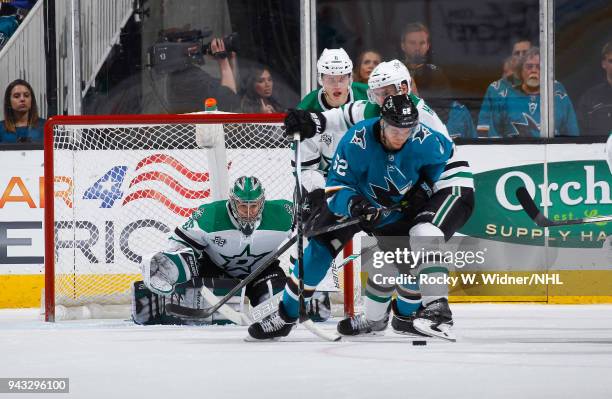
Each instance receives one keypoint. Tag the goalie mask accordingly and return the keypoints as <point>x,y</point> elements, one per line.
<point>246,203</point>
<point>334,62</point>
<point>383,76</point>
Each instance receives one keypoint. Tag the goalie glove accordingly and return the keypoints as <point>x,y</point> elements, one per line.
<point>162,271</point>
<point>362,208</point>
<point>308,124</point>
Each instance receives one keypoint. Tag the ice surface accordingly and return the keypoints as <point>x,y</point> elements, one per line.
<point>503,351</point>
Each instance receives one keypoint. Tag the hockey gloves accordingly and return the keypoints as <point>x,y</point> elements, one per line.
<point>162,271</point>
<point>308,124</point>
<point>362,208</point>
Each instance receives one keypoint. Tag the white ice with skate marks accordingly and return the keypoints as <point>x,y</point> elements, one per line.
<point>502,351</point>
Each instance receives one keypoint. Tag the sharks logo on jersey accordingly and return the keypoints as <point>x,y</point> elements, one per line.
<point>526,128</point>
<point>533,105</point>
<point>359,138</point>
<point>389,195</point>
<point>421,134</point>
<point>519,114</point>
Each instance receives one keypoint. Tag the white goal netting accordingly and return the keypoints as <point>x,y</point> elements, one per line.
<point>120,188</point>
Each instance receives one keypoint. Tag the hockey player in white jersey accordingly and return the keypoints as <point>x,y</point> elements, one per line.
<point>324,130</point>
<point>335,70</point>
<point>221,243</point>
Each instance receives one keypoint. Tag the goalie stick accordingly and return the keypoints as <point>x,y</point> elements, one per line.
<point>191,313</point>
<point>185,312</point>
<point>538,217</point>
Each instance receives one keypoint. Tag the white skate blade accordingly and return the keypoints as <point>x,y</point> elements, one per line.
<point>442,331</point>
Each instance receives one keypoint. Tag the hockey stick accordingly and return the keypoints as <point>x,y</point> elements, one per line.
<point>185,312</point>
<point>351,221</point>
<point>191,313</point>
<point>235,317</point>
<point>303,316</point>
<point>538,217</point>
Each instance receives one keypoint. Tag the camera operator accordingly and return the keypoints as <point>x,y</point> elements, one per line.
<point>188,87</point>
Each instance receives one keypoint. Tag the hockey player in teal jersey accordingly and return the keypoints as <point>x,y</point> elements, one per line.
<point>335,71</point>
<point>516,110</point>
<point>223,240</point>
<point>400,153</point>
<point>323,131</point>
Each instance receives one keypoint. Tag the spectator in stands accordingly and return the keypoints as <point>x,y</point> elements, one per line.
<point>190,86</point>
<point>517,112</point>
<point>595,107</point>
<point>509,79</point>
<point>507,68</point>
<point>258,94</point>
<point>21,122</point>
<point>8,24</point>
<point>366,62</point>
<point>431,82</point>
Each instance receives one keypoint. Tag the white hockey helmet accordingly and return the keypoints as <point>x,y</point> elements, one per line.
<point>392,72</point>
<point>334,62</point>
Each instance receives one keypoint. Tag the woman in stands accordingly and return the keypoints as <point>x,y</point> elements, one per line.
<point>258,94</point>
<point>366,62</point>
<point>21,122</point>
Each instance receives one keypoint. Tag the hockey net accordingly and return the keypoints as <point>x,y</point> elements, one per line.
<point>115,186</point>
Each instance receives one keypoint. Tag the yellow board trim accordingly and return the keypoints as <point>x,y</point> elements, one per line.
<point>24,290</point>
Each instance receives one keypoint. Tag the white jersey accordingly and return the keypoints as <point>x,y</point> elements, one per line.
<point>317,152</point>
<point>211,231</point>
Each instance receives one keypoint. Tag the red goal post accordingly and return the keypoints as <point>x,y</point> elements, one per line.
<point>116,184</point>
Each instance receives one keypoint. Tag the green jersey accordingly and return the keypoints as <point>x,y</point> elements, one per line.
<point>213,231</point>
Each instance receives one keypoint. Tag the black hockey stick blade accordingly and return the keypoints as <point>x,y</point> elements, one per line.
<point>538,217</point>
<point>190,313</point>
<point>530,207</point>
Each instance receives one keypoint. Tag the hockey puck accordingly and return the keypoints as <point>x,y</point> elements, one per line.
<point>419,343</point>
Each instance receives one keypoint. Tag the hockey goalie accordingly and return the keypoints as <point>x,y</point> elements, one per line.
<point>218,245</point>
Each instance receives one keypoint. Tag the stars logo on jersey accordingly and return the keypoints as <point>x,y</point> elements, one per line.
<point>241,265</point>
<point>421,133</point>
<point>529,128</point>
<point>359,138</point>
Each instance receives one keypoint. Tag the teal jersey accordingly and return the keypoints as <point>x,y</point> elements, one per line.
<point>486,108</point>
<point>460,123</point>
<point>517,114</point>
<point>386,176</point>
